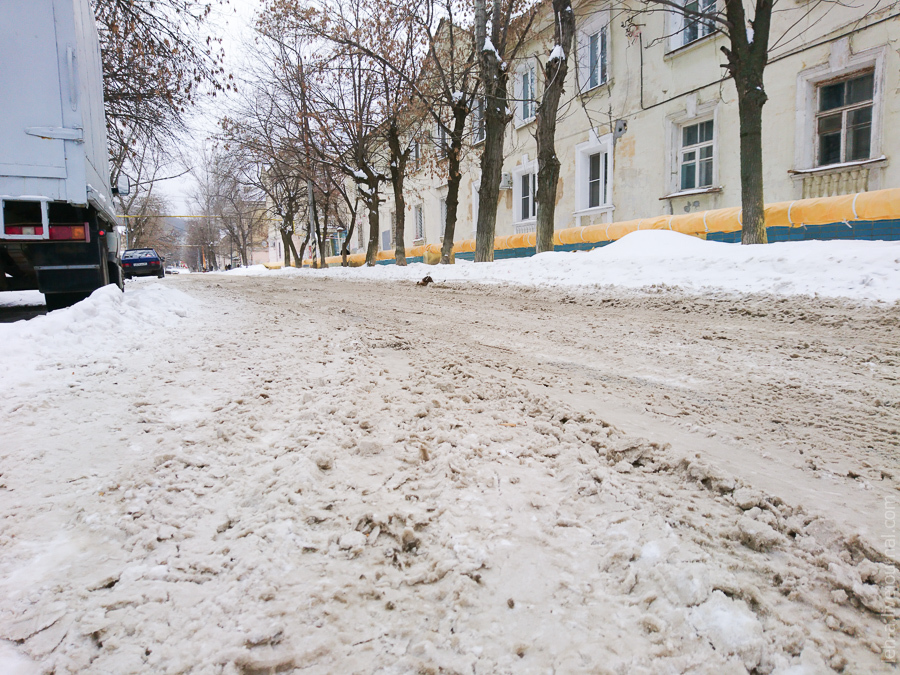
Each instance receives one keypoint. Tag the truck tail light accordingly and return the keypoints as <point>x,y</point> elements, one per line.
<point>36,231</point>
<point>64,232</point>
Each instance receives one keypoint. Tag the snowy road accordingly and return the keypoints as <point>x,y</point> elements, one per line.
<point>268,475</point>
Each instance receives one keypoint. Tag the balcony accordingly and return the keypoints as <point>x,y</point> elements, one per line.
<point>839,179</point>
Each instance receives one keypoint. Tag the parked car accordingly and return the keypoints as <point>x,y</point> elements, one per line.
<point>142,262</point>
<point>171,269</point>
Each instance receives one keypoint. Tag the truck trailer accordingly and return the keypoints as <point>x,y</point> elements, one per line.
<point>58,229</point>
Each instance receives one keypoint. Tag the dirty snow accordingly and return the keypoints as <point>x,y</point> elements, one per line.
<point>862,270</point>
<point>221,474</point>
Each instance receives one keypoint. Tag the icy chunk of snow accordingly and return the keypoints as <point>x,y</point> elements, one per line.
<point>489,47</point>
<point>731,628</point>
<point>457,96</point>
<point>557,53</point>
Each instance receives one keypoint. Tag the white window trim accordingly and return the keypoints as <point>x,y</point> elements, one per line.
<point>479,101</point>
<point>417,210</point>
<point>441,141</point>
<point>675,27</point>
<point>840,63</point>
<point>692,114</point>
<point>526,167</point>
<point>583,152</point>
<point>527,65</point>
<point>476,184</point>
<point>595,23</point>
<point>695,148</point>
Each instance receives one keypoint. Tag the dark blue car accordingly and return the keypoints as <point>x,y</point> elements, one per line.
<point>143,262</point>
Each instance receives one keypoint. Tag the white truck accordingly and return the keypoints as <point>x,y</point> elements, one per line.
<point>57,225</point>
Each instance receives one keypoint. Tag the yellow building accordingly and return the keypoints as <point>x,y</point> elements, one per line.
<point>649,127</point>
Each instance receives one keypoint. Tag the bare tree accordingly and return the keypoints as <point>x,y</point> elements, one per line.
<point>337,96</point>
<point>555,71</point>
<point>496,48</point>
<point>147,227</point>
<point>155,59</point>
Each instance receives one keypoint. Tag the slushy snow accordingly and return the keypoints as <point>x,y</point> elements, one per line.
<point>200,481</point>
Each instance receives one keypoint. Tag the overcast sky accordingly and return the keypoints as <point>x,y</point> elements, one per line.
<point>233,23</point>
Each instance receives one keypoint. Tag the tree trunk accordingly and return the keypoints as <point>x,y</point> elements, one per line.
<point>345,247</point>
<point>299,258</point>
<point>753,217</point>
<point>747,61</point>
<point>555,72</point>
<point>494,82</point>
<point>454,178</point>
<point>285,243</point>
<point>398,176</point>
<point>372,204</point>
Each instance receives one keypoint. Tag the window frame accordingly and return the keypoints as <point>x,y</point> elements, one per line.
<point>527,69</point>
<point>844,111</point>
<point>840,64</point>
<point>441,143</point>
<point>479,131</point>
<point>419,222</point>
<point>679,24</point>
<point>527,168</point>
<point>595,25</point>
<point>583,153</point>
<point>698,159</point>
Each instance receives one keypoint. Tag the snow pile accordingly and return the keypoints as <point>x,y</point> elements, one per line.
<point>21,298</point>
<point>862,270</point>
<point>88,330</point>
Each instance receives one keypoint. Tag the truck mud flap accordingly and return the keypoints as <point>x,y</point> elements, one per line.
<point>69,278</point>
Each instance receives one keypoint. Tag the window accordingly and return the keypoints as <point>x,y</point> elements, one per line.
<point>440,140</point>
<point>844,120</point>
<point>696,155</point>
<point>597,58</point>
<point>478,131</point>
<point>420,222</point>
<point>416,151</point>
<point>525,93</point>
<point>528,194</point>
<point>476,186</point>
<point>688,27</point>
<point>593,51</point>
<point>393,218</point>
<point>593,175</point>
<point>596,179</point>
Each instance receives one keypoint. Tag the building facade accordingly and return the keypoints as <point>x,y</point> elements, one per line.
<point>649,125</point>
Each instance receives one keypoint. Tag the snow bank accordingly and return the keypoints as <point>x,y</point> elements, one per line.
<point>860,270</point>
<point>102,323</point>
<point>21,298</point>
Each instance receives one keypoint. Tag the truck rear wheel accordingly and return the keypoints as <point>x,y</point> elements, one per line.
<point>61,300</point>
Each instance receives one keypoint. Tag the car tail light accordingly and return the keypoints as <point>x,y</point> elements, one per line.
<point>124,264</point>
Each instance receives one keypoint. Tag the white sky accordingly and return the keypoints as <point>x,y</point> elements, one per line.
<point>233,22</point>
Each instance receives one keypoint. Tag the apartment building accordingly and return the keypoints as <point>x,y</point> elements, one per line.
<point>649,125</point>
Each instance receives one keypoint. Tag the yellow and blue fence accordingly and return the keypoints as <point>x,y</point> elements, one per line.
<point>865,215</point>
